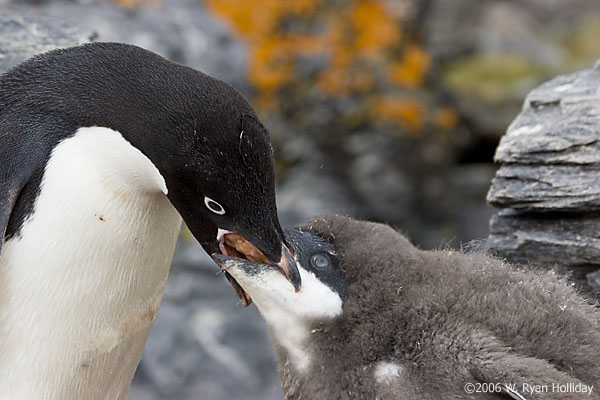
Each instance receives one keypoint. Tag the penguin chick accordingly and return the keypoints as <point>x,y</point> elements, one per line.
<point>377,318</point>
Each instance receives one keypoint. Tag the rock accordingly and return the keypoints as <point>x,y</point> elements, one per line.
<point>546,188</point>
<point>452,27</point>
<point>495,52</point>
<point>572,241</point>
<point>460,27</point>
<point>180,30</point>
<point>306,193</point>
<point>509,28</point>
<point>593,279</point>
<point>381,184</point>
<point>550,155</point>
<point>23,36</point>
<point>548,180</point>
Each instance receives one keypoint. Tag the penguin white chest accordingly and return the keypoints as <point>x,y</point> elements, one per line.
<point>81,284</point>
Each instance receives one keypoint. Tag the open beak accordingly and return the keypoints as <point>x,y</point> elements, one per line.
<point>235,249</point>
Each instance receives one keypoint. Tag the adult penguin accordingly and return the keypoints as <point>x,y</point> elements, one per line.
<point>103,148</point>
<point>378,318</point>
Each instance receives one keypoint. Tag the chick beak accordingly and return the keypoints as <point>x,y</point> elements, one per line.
<point>235,245</point>
<point>287,265</point>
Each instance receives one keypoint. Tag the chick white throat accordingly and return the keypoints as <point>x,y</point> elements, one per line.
<point>287,312</point>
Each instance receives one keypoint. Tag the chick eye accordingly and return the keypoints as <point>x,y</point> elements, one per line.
<point>320,261</point>
<point>213,206</point>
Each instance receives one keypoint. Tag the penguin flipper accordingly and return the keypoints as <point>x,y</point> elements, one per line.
<point>9,192</point>
<point>19,161</point>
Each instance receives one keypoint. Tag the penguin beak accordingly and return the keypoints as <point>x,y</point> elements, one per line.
<point>246,270</point>
<point>287,266</point>
<point>234,245</point>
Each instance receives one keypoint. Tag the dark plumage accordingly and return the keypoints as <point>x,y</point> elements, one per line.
<point>440,319</point>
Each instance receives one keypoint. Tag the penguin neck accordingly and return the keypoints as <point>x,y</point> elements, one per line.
<point>81,283</point>
<point>291,336</point>
<point>294,317</point>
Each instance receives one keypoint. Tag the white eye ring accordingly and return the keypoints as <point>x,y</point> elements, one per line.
<point>213,206</point>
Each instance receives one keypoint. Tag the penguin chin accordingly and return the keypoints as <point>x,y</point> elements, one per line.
<point>277,300</point>
<point>236,246</point>
<point>241,293</point>
<point>233,246</point>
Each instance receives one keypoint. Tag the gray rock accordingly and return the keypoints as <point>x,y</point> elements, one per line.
<point>512,28</point>
<point>180,30</point>
<point>452,27</point>
<point>536,34</point>
<point>558,123</point>
<point>593,279</point>
<point>550,179</point>
<point>22,36</point>
<point>458,27</point>
<point>382,186</point>
<point>571,241</point>
<point>546,187</point>
<point>307,193</point>
<point>550,155</point>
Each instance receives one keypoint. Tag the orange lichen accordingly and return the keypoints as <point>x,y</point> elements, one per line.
<point>364,50</point>
<point>302,7</point>
<point>305,44</point>
<point>249,19</point>
<point>270,64</point>
<point>446,118</point>
<point>333,81</point>
<point>376,29</point>
<point>410,70</point>
<point>406,112</point>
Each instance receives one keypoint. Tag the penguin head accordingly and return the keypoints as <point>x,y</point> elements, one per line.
<point>347,267</point>
<point>228,189</point>
<point>333,254</point>
<point>200,133</point>
<point>221,177</point>
<point>323,285</point>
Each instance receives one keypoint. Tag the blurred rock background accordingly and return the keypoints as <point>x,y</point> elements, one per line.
<point>383,109</point>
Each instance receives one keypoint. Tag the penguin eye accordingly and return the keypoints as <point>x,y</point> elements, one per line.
<point>213,206</point>
<point>320,261</point>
